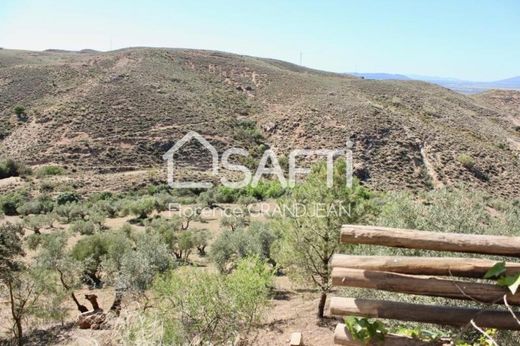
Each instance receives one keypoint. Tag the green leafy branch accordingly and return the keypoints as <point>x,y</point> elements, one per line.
<point>498,271</point>
<point>365,330</point>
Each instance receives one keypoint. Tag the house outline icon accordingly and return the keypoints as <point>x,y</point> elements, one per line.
<point>168,157</point>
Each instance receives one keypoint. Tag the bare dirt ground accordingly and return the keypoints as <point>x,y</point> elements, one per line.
<point>294,310</point>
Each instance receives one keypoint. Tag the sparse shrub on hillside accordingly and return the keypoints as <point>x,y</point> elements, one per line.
<point>466,161</point>
<point>208,199</point>
<point>469,163</point>
<point>163,201</point>
<point>37,222</point>
<point>8,207</point>
<point>396,101</point>
<point>205,307</point>
<point>84,227</point>
<point>21,114</point>
<point>158,189</point>
<point>68,197</point>
<point>97,217</point>
<point>265,189</point>
<point>283,161</point>
<point>47,186</point>
<point>11,168</point>
<point>43,204</point>
<point>502,146</point>
<point>227,195</point>
<point>186,196</point>
<point>70,212</point>
<point>101,196</point>
<point>141,207</point>
<point>246,200</point>
<point>9,203</point>
<point>246,130</point>
<point>19,110</point>
<point>110,208</point>
<point>50,170</point>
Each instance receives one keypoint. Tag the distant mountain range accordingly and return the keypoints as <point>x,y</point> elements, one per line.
<point>463,86</point>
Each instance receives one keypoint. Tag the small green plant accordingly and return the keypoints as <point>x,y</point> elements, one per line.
<point>21,115</point>
<point>71,212</point>
<point>68,197</point>
<point>84,227</point>
<point>110,208</point>
<point>141,207</point>
<point>19,110</point>
<point>9,203</point>
<point>419,333</point>
<point>50,170</point>
<point>365,330</point>
<point>246,130</point>
<point>208,199</point>
<point>478,339</point>
<point>12,168</point>
<point>498,271</point>
<point>43,204</point>
<point>466,161</point>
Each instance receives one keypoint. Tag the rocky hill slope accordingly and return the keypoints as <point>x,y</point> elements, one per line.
<point>122,110</point>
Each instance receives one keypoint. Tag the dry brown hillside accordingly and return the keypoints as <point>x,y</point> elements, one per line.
<point>123,109</point>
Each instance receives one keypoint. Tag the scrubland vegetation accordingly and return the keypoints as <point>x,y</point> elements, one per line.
<point>94,121</point>
<point>193,285</point>
<point>12,168</point>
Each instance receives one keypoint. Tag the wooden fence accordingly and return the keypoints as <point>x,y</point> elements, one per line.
<point>426,276</point>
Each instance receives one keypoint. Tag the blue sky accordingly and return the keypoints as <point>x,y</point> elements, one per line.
<point>475,40</point>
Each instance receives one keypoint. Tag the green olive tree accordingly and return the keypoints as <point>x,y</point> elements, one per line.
<point>310,222</point>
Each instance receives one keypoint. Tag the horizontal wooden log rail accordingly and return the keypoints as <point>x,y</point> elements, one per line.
<point>444,266</point>
<point>426,276</point>
<point>342,337</point>
<point>422,285</point>
<point>443,315</point>
<point>413,239</point>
